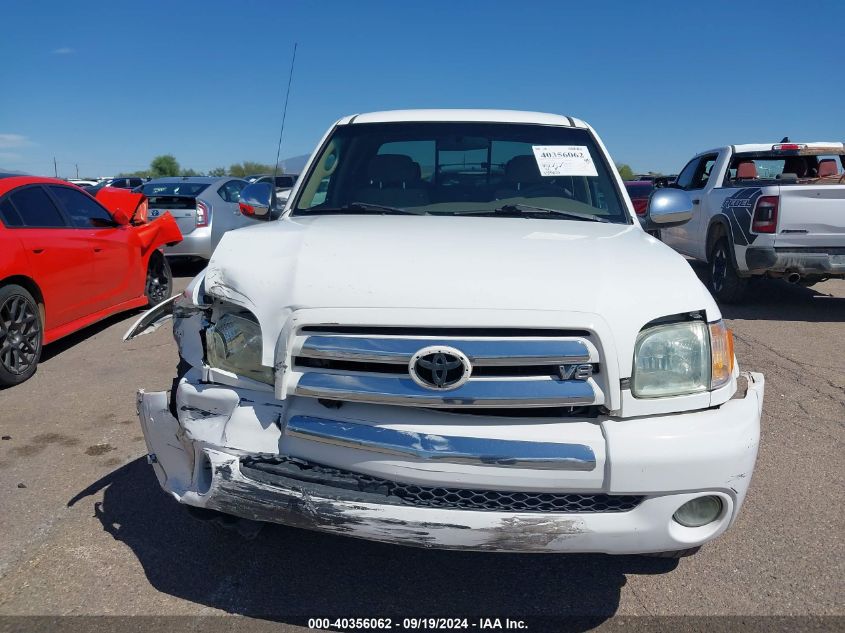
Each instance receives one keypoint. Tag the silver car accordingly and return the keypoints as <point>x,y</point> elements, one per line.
<point>204,208</point>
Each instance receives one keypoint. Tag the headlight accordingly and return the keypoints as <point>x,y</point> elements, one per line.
<point>671,360</point>
<point>234,344</point>
<point>681,358</point>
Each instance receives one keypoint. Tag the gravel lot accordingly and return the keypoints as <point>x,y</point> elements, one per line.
<point>86,529</point>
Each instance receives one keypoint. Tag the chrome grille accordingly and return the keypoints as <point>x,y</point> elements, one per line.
<point>518,371</point>
<point>274,469</point>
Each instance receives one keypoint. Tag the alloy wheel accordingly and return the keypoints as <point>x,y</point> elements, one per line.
<point>718,269</point>
<point>157,280</point>
<point>19,335</point>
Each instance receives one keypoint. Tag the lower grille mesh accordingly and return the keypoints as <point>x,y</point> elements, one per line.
<point>505,501</point>
<point>398,493</point>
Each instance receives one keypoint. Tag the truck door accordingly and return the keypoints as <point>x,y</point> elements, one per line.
<point>693,179</point>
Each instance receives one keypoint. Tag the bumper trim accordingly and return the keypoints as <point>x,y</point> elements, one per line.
<point>452,449</point>
<point>801,260</point>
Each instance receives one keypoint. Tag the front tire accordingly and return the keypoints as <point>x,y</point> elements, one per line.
<point>725,283</point>
<point>21,335</point>
<point>159,282</point>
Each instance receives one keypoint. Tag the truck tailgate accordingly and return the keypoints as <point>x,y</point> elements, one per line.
<point>811,216</point>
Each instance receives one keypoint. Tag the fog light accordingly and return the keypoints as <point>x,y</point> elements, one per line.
<point>699,511</point>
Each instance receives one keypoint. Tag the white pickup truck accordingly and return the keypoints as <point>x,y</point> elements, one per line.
<point>774,210</point>
<point>446,340</point>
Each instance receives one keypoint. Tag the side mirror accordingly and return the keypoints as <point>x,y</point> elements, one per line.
<point>667,207</point>
<point>257,200</point>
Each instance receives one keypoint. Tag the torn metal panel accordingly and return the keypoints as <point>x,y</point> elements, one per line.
<point>189,325</point>
<point>152,319</point>
<point>220,416</point>
<point>174,460</point>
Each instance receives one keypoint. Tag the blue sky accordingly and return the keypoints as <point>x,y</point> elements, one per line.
<point>108,86</point>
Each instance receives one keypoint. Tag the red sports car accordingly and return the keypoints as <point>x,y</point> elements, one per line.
<point>68,260</point>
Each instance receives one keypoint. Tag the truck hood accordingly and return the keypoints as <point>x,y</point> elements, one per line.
<point>616,272</point>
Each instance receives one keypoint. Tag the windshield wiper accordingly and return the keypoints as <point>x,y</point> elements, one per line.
<point>517,210</point>
<point>380,208</point>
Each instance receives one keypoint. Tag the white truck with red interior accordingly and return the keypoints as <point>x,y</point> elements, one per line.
<point>765,210</point>
<point>444,338</point>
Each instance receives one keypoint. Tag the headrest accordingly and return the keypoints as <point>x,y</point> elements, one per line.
<point>827,167</point>
<point>392,168</point>
<point>522,169</point>
<point>795,165</point>
<point>746,169</point>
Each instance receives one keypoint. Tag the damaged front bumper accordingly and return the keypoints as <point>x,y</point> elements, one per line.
<point>442,482</point>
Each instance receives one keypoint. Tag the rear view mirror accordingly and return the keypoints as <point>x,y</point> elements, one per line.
<point>667,208</point>
<point>257,200</point>
<point>461,143</point>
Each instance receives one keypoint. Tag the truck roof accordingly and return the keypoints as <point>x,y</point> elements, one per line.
<point>473,116</point>
<point>834,146</point>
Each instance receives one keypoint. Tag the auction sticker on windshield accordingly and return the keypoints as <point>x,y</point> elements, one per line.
<point>564,160</point>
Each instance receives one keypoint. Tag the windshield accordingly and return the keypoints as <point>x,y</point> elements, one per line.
<point>461,168</point>
<point>173,188</point>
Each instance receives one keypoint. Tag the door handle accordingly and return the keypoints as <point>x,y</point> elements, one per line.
<point>695,200</point>
<point>37,251</point>
<point>98,250</point>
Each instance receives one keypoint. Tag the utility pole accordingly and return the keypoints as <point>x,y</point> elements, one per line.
<point>55,168</point>
<point>77,171</point>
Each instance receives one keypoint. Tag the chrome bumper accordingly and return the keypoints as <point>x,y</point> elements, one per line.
<point>456,450</point>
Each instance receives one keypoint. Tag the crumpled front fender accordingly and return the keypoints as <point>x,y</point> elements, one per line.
<point>160,232</point>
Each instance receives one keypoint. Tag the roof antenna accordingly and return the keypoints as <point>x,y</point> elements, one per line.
<point>282,131</point>
<point>785,139</point>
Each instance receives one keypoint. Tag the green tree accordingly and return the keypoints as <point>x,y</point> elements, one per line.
<point>625,171</point>
<point>248,168</point>
<point>190,172</point>
<point>164,165</point>
<point>217,172</point>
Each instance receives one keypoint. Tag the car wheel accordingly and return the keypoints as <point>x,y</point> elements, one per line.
<point>21,335</point>
<point>159,279</point>
<point>725,283</point>
<point>678,553</point>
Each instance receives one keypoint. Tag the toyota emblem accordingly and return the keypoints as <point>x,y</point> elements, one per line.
<point>439,368</point>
